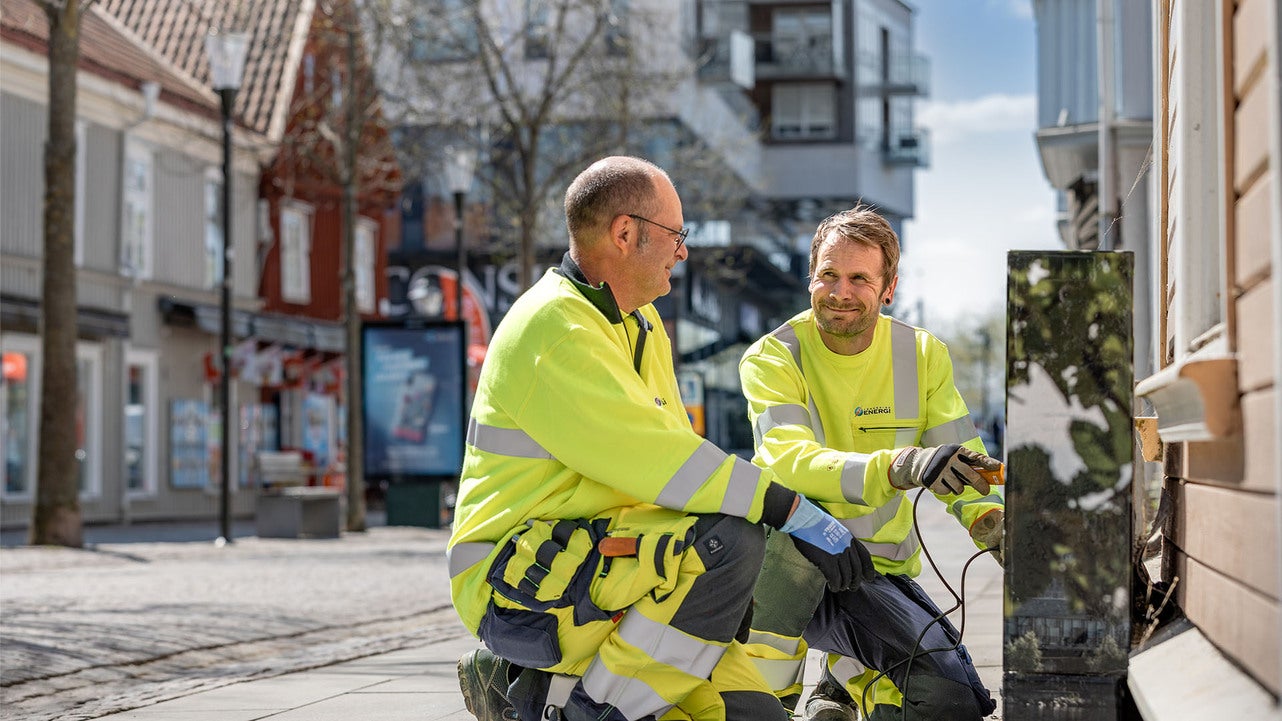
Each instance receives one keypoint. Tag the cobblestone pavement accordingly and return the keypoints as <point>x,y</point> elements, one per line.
<point>84,633</point>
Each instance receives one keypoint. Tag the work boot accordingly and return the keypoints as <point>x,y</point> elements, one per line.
<point>830,702</point>
<point>482,676</point>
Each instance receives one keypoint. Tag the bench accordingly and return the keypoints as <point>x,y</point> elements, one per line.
<point>286,506</point>
<point>298,512</point>
<point>281,469</point>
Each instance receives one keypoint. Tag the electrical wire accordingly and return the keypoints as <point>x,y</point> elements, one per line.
<point>917,651</point>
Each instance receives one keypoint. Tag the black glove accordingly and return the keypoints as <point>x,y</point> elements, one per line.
<point>941,469</point>
<point>844,571</point>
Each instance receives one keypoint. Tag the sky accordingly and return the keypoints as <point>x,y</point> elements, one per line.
<point>984,192</point>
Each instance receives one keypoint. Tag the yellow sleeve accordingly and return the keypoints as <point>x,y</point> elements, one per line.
<point>786,443</point>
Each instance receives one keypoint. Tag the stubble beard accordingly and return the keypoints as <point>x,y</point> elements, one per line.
<point>861,322</point>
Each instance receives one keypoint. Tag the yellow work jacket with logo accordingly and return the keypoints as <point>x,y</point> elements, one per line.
<point>575,416</point>
<point>829,425</point>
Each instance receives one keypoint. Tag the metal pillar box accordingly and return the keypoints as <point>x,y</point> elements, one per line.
<point>1069,441</point>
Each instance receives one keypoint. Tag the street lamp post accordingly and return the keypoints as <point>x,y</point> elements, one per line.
<point>459,166</point>
<point>226,51</point>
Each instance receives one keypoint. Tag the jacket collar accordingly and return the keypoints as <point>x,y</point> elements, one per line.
<point>600,296</point>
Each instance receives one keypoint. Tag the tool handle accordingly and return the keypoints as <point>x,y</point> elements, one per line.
<point>996,478</point>
<point>615,546</point>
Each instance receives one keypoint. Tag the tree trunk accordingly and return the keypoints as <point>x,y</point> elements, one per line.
<point>56,514</point>
<point>351,309</point>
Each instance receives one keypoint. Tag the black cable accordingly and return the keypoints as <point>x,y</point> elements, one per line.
<point>917,650</point>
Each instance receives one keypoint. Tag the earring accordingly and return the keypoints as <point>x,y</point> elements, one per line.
<point>886,301</point>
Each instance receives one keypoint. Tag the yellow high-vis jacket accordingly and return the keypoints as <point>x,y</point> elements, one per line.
<point>830,425</point>
<point>577,413</point>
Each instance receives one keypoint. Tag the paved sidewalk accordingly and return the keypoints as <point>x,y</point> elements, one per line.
<point>421,683</point>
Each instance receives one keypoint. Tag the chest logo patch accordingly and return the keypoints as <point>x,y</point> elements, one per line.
<point>660,402</point>
<point>872,410</point>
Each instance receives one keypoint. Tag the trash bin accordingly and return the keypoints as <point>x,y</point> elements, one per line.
<point>414,503</point>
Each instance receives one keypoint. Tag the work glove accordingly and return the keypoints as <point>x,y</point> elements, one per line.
<point>842,559</point>
<point>989,531</point>
<point>941,469</point>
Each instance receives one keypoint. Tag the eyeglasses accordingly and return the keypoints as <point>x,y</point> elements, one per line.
<point>681,234</point>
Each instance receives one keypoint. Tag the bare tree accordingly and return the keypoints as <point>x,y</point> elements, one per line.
<point>545,87</point>
<point>56,515</point>
<point>336,135</point>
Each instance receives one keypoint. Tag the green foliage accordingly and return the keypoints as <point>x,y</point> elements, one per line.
<point>1024,653</point>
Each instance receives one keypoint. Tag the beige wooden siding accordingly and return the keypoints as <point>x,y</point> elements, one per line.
<point>1226,528</point>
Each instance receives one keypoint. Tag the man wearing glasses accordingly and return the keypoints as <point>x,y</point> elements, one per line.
<point>603,552</point>
<point>853,408</point>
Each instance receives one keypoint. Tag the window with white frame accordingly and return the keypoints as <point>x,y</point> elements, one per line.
<point>213,227</point>
<point>141,422</point>
<point>803,111</point>
<point>295,252</point>
<point>89,419</point>
<point>366,236</point>
<point>136,215</point>
<point>82,136</point>
<point>20,411</point>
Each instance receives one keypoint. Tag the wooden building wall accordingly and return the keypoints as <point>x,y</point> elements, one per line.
<point>1225,528</point>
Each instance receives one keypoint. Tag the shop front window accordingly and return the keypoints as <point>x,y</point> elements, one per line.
<point>16,422</point>
<point>140,423</point>
<point>20,406</point>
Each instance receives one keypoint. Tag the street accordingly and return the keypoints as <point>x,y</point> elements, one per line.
<point>131,622</point>
<point>121,625</point>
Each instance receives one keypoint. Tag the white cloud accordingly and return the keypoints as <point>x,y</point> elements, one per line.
<point>952,120</point>
<point>1017,8</point>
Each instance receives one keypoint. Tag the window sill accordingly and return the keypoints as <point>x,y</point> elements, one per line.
<point>1196,399</point>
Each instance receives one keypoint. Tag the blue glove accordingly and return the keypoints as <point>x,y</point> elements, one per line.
<point>819,537</point>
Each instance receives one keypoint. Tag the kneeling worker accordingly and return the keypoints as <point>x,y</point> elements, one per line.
<point>604,552</point>
<point>852,408</point>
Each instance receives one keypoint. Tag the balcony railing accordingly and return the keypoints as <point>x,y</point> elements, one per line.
<point>904,74</point>
<point>794,56</point>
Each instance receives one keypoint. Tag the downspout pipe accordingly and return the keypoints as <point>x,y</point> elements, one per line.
<point>1107,189</point>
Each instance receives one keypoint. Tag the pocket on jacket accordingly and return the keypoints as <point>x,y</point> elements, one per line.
<point>526,638</point>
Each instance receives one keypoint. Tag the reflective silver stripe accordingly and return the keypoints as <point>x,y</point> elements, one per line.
<point>504,441</point>
<point>905,437</point>
<point>958,430</point>
<point>866,526</point>
<point>782,644</point>
<point>462,556</point>
<point>559,690</point>
<point>817,423</point>
<point>787,335</point>
<point>852,477</point>
<point>670,646</point>
<point>745,478</point>
<point>691,476</point>
<point>957,506</point>
<point>901,551</point>
<point>779,673</point>
<point>903,355</point>
<point>789,414</point>
<point>629,695</point>
<point>845,668</point>
<point>666,645</point>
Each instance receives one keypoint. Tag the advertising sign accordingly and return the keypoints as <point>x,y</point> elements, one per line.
<point>190,457</point>
<point>413,405</point>
<point>690,384</point>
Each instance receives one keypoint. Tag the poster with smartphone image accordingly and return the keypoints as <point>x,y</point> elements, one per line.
<point>413,405</point>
